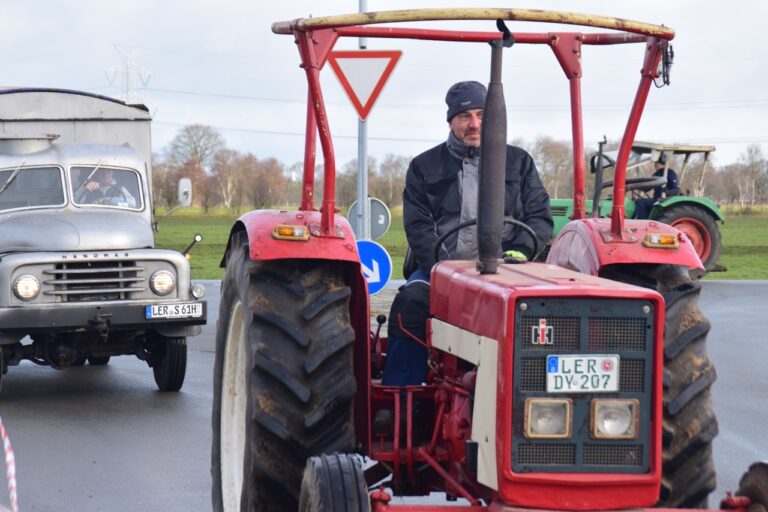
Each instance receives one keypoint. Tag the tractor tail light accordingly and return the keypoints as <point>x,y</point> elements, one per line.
<point>288,232</point>
<point>661,241</point>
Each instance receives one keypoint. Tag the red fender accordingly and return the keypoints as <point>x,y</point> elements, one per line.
<point>587,245</point>
<point>259,224</point>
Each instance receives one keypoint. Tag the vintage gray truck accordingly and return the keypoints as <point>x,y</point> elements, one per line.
<point>80,276</point>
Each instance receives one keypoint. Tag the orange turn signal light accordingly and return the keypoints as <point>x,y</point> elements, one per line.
<point>661,240</point>
<point>288,232</point>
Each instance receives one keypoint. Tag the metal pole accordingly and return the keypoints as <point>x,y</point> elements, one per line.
<point>364,207</point>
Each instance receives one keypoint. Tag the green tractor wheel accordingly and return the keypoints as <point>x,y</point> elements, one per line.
<point>700,228</point>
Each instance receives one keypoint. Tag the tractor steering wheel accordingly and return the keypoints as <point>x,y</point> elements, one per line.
<point>525,227</point>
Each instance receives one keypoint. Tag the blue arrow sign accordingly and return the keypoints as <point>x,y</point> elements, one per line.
<point>376,264</point>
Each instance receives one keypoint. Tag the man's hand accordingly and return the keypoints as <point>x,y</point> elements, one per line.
<point>514,257</point>
<point>92,186</point>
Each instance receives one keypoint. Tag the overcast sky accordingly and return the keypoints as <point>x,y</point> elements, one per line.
<point>218,63</point>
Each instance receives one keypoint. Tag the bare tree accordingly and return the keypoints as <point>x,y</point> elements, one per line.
<point>227,167</point>
<point>389,182</point>
<point>266,183</point>
<point>195,142</point>
<point>164,179</point>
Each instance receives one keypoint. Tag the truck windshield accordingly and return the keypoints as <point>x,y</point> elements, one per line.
<point>106,186</point>
<point>28,187</point>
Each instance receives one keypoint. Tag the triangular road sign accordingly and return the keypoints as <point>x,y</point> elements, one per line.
<point>362,74</point>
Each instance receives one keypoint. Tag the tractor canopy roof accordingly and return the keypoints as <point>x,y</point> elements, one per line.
<point>316,37</point>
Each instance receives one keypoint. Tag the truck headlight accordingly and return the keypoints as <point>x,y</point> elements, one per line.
<point>198,290</point>
<point>614,418</point>
<point>162,282</point>
<point>548,418</point>
<point>26,287</point>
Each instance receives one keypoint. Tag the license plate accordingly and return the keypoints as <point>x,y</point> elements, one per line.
<point>183,310</point>
<point>591,373</point>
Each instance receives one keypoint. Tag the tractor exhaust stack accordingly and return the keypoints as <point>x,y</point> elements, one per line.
<point>493,158</point>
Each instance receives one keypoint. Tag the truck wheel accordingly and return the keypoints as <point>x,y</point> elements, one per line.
<point>98,360</point>
<point>283,378</point>
<point>754,485</point>
<point>170,370</point>
<point>700,228</point>
<point>689,424</point>
<point>334,483</point>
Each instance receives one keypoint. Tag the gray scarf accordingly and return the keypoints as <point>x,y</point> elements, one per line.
<point>466,245</point>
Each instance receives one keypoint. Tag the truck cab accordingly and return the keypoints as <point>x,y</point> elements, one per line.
<point>83,278</point>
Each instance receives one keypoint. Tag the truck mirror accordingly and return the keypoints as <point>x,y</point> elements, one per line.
<point>185,192</point>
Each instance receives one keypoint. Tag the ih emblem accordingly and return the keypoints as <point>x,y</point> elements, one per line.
<point>542,335</point>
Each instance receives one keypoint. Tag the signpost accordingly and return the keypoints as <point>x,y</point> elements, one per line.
<point>379,215</point>
<point>362,75</point>
<point>376,264</point>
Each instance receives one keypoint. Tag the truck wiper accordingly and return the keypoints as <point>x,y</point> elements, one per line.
<point>85,181</point>
<point>15,173</point>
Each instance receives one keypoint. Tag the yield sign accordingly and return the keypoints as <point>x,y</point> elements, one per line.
<point>363,74</point>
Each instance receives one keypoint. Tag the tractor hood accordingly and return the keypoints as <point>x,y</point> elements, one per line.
<point>66,230</point>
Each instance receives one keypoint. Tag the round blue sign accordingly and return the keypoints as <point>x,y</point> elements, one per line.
<point>376,265</point>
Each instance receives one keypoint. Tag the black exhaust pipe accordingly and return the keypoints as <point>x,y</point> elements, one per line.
<point>492,166</point>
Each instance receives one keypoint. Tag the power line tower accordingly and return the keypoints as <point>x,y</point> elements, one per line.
<point>129,72</point>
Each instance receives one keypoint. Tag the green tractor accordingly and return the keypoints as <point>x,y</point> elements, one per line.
<point>690,212</point>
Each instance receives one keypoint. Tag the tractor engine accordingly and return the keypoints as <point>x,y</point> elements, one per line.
<point>560,407</point>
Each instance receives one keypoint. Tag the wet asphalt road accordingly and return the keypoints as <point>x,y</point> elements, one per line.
<point>104,439</point>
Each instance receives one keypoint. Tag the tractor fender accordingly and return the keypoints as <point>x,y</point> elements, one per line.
<point>587,246</point>
<point>260,225</point>
<point>702,202</point>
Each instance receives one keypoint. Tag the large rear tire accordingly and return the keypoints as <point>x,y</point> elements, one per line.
<point>689,424</point>
<point>334,483</point>
<point>700,228</point>
<point>283,378</point>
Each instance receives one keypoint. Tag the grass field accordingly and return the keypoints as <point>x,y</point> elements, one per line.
<point>745,242</point>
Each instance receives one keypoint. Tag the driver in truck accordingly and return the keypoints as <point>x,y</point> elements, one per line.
<point>441,192</point>
<point>102,188</point>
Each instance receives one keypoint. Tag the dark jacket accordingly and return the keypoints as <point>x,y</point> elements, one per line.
<point>432,202</point>
<point>672,188</point>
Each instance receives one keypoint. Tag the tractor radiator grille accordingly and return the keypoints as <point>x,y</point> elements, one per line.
<point>95,281</point>
<point>544,326</point>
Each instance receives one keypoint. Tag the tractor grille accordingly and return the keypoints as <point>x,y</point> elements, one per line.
<point>582,326</point>
<point>95,281</point>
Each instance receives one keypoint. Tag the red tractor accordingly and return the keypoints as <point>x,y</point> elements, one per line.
<point>582,383</point>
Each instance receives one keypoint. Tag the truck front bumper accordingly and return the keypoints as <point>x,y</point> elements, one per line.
<point>84,317</point>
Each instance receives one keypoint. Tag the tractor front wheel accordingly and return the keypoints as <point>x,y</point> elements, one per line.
<point>700,228</point>
<point>283,378</point>
<point>334,483</point>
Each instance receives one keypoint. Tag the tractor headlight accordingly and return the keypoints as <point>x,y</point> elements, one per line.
<point>162,282</point>
<point>614,419</point>
<point>548,418</point>
<point>26,287</point>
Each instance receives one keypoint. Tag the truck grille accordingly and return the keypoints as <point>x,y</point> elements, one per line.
<point>96,281</point>
<point>582,326</point>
